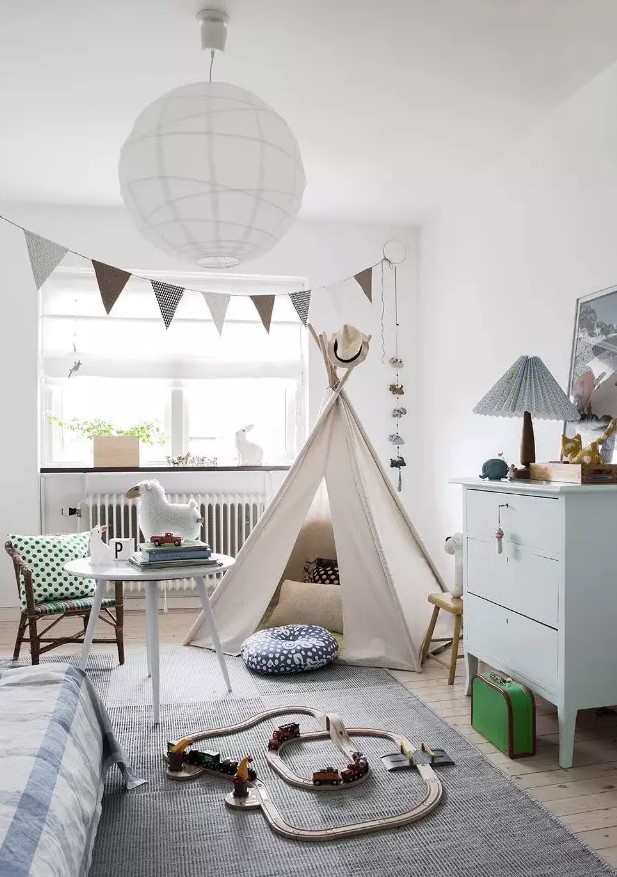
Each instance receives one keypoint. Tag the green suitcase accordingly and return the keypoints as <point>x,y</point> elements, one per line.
<point>504,712</point>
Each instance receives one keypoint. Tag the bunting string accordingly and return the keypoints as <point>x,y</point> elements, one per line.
<point>45,255</point>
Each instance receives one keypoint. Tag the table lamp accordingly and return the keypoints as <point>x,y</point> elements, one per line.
<point>527,388</point>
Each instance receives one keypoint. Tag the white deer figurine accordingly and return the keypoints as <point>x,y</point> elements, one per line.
<point>249,453</point>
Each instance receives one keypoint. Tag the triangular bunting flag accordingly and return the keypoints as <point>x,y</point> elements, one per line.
<point>111,282</point>
<point>264,305</point>
<point>217,305</point>
<point>365,279</point>
<point>168,297</point>
<point>302,303</point>
<point>44,256</point>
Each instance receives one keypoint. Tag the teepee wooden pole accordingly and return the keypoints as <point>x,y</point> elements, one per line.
<point>320,341</point>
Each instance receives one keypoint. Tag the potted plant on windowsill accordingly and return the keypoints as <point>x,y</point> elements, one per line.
<point>113,446</point>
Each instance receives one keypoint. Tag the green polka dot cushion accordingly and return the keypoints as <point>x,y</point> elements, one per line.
<point>46,556</point>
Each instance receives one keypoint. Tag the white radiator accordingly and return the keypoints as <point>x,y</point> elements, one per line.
<point>228,518</point>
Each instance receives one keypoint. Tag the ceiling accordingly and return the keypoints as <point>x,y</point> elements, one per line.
<point>393,103</point>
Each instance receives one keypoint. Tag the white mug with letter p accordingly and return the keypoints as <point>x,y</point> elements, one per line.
<point>122,549</point>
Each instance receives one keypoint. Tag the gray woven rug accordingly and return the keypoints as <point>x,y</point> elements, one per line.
<point>485,826</point>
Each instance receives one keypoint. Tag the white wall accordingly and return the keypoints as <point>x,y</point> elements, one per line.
<point>502,266</point>
<point>19,486</point>
<point>322,252</point>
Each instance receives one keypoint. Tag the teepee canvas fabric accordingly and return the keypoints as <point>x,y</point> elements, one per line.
<point>384,570</point>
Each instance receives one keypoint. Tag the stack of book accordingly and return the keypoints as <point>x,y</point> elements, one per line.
<point>190,553</point>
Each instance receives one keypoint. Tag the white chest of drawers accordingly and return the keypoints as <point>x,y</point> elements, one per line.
<point>545,609</point>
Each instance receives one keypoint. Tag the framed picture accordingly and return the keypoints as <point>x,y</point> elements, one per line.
<point>593,369</point>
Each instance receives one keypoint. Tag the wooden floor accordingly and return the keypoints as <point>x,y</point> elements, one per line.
<point>584,797</point>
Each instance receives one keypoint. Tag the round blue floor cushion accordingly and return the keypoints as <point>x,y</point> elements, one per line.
<point>293,648</point>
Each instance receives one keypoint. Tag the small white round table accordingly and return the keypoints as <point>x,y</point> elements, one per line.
<point>125,572</point>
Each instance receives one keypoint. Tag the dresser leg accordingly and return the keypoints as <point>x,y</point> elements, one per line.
<point>471,662</point>
<point>567,726</point>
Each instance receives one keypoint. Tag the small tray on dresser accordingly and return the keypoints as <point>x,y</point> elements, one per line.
<point>575,473</point>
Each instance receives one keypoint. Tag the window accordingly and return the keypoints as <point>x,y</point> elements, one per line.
<point>195,387</point>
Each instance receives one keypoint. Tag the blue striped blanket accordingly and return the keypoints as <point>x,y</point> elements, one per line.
<point>56,744</point>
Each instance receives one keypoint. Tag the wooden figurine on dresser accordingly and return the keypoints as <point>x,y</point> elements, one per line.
<point>542,608</point>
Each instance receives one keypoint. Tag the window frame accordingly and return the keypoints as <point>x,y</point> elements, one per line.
<point>176,423</point>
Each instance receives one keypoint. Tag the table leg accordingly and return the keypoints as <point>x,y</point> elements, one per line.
<point>94,615</point>
<point>205,602</point>
<point>148,643</point>
<point>153,644</point>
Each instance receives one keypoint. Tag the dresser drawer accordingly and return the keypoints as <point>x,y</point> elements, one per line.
<point>513,642</point>
<point>534,521</point>
<point>519,579</point>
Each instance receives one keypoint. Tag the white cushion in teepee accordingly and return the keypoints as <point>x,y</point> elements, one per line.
<point>308,603</point>
<point>294,648</point>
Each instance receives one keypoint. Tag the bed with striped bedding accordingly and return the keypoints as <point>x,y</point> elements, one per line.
<point>56,744</point>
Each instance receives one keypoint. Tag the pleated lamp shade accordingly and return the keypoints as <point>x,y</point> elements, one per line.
<point>527,388</point>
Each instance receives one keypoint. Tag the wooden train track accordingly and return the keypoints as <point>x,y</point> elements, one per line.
<point>334,729</point>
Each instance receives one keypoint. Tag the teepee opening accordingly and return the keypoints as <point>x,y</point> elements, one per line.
<point>385,572</point>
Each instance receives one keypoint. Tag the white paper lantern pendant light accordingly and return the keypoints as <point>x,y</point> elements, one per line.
<point>210,173</point>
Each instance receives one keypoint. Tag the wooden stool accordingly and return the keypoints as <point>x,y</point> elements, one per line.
<point>453,605</point>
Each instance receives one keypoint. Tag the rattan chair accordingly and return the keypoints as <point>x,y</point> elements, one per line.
<point>35,613</point>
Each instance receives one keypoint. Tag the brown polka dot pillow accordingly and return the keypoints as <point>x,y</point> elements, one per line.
<point>46,556</point>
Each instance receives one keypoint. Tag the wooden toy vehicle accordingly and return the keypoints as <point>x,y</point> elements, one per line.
<point>282,734</point>
<point>211,761</point>
<point>327,776</point>
<point>356,769</point>
<point>167,539</point>
<point>228,765</point>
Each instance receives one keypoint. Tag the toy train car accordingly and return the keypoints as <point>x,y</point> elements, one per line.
<point>282,734</point>
<point>213,761</point>
<point>327,776</point>
<point>356,769</point>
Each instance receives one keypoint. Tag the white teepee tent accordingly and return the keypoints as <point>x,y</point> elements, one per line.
<point>385,572</point>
